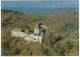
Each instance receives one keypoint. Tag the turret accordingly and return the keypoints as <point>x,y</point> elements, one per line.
<point>37,29</point>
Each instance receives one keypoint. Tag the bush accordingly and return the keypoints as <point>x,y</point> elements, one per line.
<point>45,51</point>
<point>77,46</point>
<point>58,48</point>
<point>5,45</point>
<point>16,51</point>
<point>27,48</point>
<point>15,40</point>
<point>67,45</point>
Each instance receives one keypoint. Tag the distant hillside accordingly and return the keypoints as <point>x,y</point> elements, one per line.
<point>49,12</point>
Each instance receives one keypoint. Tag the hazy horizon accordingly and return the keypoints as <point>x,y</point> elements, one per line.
<point>34,6</point>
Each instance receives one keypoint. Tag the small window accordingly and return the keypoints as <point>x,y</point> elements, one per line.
<point>34,39</point>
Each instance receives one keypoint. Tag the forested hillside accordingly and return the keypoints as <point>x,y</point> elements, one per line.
<point>63,41</point>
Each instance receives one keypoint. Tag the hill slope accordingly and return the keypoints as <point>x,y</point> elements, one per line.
<point>49,12</point>
<point>64,25</point>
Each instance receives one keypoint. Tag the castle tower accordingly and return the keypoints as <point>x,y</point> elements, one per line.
<point>37,30</point>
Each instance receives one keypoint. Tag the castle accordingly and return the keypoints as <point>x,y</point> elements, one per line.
<point>37,36</point>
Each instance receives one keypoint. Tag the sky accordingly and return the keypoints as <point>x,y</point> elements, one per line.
<point>33,6</point>
<point>39,0</point>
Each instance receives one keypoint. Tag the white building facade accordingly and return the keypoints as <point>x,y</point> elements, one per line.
<point>29,37</point>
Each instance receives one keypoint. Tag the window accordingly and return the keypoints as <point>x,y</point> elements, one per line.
<point>34,39</point>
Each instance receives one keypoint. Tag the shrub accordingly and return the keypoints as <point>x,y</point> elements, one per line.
<point>4,45</point>
<point>15,40</point>
<point>16,51</point>
<point>27,48</point>
<point>67,45</point>
<point>58,48</point>
<point>77,46</point>
<point>45,51</point>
